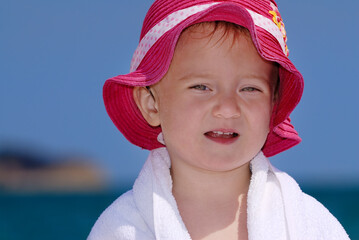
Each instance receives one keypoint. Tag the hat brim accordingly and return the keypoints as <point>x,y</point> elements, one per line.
<point>123,111</point>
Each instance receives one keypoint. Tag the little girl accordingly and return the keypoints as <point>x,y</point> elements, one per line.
<point>210,92</point>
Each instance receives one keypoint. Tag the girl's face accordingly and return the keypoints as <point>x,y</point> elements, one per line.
<point>214,104</point>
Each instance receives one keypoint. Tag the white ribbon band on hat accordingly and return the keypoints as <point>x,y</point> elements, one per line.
<point>176,17</point>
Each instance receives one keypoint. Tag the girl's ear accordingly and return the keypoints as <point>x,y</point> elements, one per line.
<point>147,104</point>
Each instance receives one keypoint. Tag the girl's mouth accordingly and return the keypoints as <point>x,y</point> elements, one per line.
<point>221,136</point>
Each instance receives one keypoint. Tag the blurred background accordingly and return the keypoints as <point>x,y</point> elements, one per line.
<point>62,161</point>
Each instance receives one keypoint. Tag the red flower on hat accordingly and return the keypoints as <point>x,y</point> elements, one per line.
<point>277,19</point>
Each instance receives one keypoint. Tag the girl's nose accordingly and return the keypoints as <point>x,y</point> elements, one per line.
<point>227,107</point>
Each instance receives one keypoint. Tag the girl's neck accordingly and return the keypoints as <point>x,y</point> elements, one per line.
<point>199,185</point>
<point>213,205</point>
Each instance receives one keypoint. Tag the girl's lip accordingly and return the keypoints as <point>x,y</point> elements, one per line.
<point>223,136</point>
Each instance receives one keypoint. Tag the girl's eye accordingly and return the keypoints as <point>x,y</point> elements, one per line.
<point>200,87</point>
<point>249,89</point>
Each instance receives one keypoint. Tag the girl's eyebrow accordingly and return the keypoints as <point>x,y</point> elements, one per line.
<point>257,78</point>
<point>190,75</point>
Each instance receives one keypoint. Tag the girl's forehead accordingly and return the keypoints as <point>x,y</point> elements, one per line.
<point>216,40</point>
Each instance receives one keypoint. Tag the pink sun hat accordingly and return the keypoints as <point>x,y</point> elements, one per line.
<point>161,29</point>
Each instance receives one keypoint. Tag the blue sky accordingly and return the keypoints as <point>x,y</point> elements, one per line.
<point>56,55</point>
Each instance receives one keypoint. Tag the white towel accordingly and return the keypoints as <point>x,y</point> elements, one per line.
<point>276,208</point>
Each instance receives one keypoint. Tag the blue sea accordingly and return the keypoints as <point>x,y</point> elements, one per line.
<point>71,216</point>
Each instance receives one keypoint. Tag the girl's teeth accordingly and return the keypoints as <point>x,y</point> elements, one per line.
<point>225,134</point>
<point>219,132</point>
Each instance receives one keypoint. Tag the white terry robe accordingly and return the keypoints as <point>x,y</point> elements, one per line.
<point>276,208</point>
